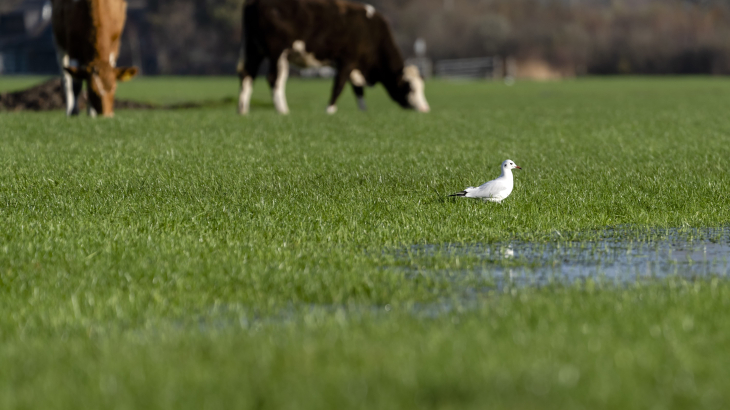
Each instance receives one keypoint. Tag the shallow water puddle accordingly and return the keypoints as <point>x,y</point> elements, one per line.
<point>618,256</point>
<point>615,256</point>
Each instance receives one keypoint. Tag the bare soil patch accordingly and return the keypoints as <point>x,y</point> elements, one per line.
<point>49,96</point>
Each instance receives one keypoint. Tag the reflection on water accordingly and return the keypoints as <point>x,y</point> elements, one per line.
<point>615,256</point>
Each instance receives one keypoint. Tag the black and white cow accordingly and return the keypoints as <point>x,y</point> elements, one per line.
<point>351,37</point>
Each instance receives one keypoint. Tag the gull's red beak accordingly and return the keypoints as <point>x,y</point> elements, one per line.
<point>518,167</point>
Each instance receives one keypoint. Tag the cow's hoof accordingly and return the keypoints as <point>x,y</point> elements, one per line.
<point>331,109</point>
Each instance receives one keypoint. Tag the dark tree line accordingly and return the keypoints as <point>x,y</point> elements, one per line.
<point>577,36</point>
<point>581,36</point>
<point>196,37</point>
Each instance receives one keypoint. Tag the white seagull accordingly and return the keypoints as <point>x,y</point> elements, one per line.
<point>495,190</point>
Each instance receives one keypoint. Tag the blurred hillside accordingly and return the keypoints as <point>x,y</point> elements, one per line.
<point>7,6</point>
<point>573,36</point>
<point>570,37</point>
<point>578,36</point>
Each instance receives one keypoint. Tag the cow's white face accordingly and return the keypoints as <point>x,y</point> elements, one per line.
<point>416,97</point>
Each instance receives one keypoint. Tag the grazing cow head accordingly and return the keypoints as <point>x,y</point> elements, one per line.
<point>408,90</point>
<point>101,79</point>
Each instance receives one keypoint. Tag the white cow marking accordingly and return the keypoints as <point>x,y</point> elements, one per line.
<point>416,97</point>
<point>99,85</point>
<point>244,99</point>
<point>301,57</point>
<point>112,60</point>
<point>332,109</point>
<point>46,11</point>
<point>67,82</point>
<point>282,66</point>
<point>357,78</point>
<point>298,46</point>
<point>369,11</point>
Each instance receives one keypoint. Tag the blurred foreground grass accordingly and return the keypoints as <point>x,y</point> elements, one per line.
<point>195,258</point>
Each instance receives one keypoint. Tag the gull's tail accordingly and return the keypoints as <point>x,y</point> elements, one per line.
<point>462,193</point>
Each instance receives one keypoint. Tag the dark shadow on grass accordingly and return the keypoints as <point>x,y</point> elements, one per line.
<point>49,96</point>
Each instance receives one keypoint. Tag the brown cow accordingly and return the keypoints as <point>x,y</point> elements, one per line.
<point>352,37</point>
<point>87,35</point>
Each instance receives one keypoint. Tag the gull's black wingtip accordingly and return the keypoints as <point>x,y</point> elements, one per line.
<point>462,193</point>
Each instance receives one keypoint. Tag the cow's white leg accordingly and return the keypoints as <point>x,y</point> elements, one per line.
<point>248,67</point>
<point>244,98</point>
<point>71,103</point>
<point>282,73</point>
<point>68,80</point>
<point>90,110</point>
<point>331,109</point>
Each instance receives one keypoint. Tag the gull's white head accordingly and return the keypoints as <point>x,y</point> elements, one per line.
<point>508,164</point>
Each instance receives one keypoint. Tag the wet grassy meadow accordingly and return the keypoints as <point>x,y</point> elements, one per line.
<point>197,259</point>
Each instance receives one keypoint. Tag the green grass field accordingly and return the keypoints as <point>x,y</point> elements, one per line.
<point>198,259</point>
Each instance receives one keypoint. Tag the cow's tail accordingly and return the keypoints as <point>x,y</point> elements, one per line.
<point>241,61</point>
<point>242,53</point>
<point>250,7</point>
